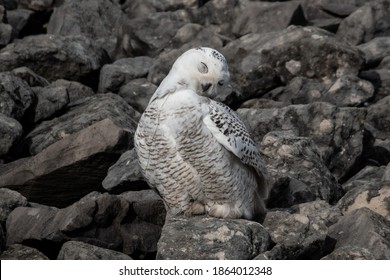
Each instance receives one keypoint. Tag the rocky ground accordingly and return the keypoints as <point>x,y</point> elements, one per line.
<point>311,79</point>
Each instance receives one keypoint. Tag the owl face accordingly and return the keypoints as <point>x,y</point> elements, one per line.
<point>205,68</point>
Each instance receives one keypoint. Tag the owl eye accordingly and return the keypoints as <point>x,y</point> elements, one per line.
<point>202,68</point>
<point>220,83</point>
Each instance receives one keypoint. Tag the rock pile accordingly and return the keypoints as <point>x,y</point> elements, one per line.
<point>311,79</point>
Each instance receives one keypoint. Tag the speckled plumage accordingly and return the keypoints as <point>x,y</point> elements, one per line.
<point>195,151</point>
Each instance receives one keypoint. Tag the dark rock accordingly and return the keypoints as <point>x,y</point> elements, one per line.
<point>70,168</point>
<point>258,59</point>
<point>212,239</point>
<point>365,229</point>
<point>141,8</point>
<point>320,213</point>
<point>15,96</point>
<point>350,253</point>
<point>259,17</point>
<point>55,57</point>
<point>84,113</point>
<point>380,78</point>
<point>20,19</point>
<point>9,4</point>
<point>375,50</point>
<point>337,132</point>
<point>31,78</point>
<point>37,5</point>
<point>75,250</point>
<point>344,91</point>
<point>262,103</point>
<point>9,200</point>
<point>76,91</point>
<point>298,171</point>
<point>364,176</point>
<point>10,132</point>
<point>296,236</point>
<point>137,93</point>
<point>22,252</point>
<point>2,240</point>
<point>5,29</point>
<point>113,76</point>
<point>125,174</point>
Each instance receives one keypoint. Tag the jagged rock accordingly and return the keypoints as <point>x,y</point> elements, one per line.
<point>84,113</point>
<point>298,171</point>
<point>20,20</point>
<point>350,253</point>
<point>367,174</point>
<point>380,78</point>
<point>55,57</point>
<point>365,229</point>
<point>75,250</point>
<point>297,236</point>
<point>137,93</point>
<point>125,174</point>
<point>256,60</point>
<point>37,5</point>
<point>10,132</point>
<point>70,168</point>
<point>211,238</point>
<point>342,92</point>
<point>15,95</point>
<point>337,132</point>
<point>113,76</point>
<point>76,91</point>
<point>31,78</point>
<point>9,200</point>
<point>22,252</point>
<point>259,17</point>
<point>375,50</point>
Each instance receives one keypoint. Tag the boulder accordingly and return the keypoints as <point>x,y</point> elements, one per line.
<point>5,29</point>
<point>10,132</point>
<point>363,228</point>
<point>22,22</point>
<point>375,50</point>
<point>22,252</point>
<point>76,91</point>
<point>350,253</point>
<point>76,250</point>
<point>208,238</point>
<point>37,5</point>
<point>137,93</point>
<point>380,78</point>
<point>31,78</point>
<point>9,200</point>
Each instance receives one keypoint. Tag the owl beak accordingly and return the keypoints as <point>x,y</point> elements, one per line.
<point>205,87</point>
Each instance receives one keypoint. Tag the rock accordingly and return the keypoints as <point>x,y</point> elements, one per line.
<point>141,8</point>
<point>2,240</point>
<point>137,93</point>
<point>259,17</point>
<point>380,78</point>
<point>55,57</point>
<point>16,96</point>
<point>363,228</point>
<point>22,252</point>
<point>211,238</point>
<point>298,171</point>
<point>37,5</point>
<point>320,213</point>
<point>21,20</point>
<point>375,50</point>
<point>97,20</point>
<point>125,174</point>
<point>365,176</point>
<point>76,91</point>
<point>337,132</point>
<point>296,237</point>
<point>350,253</point>
<point>344,91</point>
<point>31,78</point>
<point>113,76</point>
<point>70,168</point>
<point>75,250</point>
<point>9,4</point>
<point>5,29</point>
<point>10,132</point>
<point>262,103</point>
<point>9,200</point>
<point>84,113</point>
<point>258,60</point>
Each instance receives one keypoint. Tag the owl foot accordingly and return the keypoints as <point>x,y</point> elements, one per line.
<point>225,211</point>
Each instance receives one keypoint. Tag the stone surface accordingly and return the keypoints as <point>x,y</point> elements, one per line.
<point>9,200</point>
<point>365,229</point>
<point>10,132</point>
<point>375,50</point>
<point>380,78</point>
<point>137,93</point>
<point>31,78</point>
<point>211,238</point>
<point>75,250</point>
<point>350,253</point>
<point>22,252</point>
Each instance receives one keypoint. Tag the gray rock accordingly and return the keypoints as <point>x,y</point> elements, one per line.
<point>258,60</point>
<point>298,171</point>
<point>212,239</point>
<point>259,17</point>
<point>380,78</point>
<point>141,8</point>
<point>262,103</point>
<point>76,91</point>
<point>337,132</point>
<point>297,236</point>
<point>5,29</point>
<point>10,132</point>
<point>364,176</point>
<point>16,96</point>
<point>2,239</point>
<point>55,57</point>
<point>84,113</point>
<point>31,78</point>
<point>137,93</point>
<point>9,200</point>
<point>70,168</point>
<point>37,5</point>
<point>22,252</point>
<point>113,76</point>
<point>350,253</point>
<point>375,50</point>
<point>20,20</point>
<point>9,4</point>
<point>125,174</point>
<point>365,229</point>
<point>75,250</point>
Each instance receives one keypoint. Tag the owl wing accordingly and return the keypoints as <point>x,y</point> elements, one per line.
<point>231,132</point>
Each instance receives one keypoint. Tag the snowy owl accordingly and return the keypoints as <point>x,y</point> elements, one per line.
<point>195,151</point>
